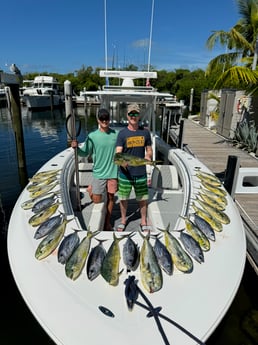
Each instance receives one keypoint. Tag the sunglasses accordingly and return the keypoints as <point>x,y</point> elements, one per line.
<point>104,118</point>
<point>134,114</point>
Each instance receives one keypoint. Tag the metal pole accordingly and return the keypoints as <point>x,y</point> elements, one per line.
<point>71,133</point>
<point>68,107</point>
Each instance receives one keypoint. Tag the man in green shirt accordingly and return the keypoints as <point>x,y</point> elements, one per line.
<point>100,145</point>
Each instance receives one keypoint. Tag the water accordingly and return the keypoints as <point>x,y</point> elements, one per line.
<point>44,136</point>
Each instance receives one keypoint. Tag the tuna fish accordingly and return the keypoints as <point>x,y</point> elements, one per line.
<point>67,246</point>
<point>192,247</point>
<point>95,260</point>
<point>131,254</point>
<point>205,227</point>
<point>197,234</point>
<point>51,241</point>
<point>215,224</point>
<point>180,258</point>
<point>163,256</point>
<point>47,226</point>
<point>40,217</point>
<point>43,204</point>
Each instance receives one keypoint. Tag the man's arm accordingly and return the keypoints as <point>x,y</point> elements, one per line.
<point>148,153</point>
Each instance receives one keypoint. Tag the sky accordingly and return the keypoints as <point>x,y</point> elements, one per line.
<point>62,36</point>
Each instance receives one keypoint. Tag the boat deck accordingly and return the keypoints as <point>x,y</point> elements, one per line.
<point>159,206</point>
<point>213,150</point>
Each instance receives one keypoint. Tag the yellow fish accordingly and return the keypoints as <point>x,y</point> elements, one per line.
<point>125,159</point>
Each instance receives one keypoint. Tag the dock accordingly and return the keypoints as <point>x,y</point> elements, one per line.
<point>213,150</point>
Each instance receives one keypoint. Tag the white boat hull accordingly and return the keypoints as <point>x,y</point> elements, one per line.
<point>69,310</point>
<point>43,101</point>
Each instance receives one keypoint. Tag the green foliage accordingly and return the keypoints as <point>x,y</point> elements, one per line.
<point>246,136</point>
<point>178,82</point>
<point>239,65</point>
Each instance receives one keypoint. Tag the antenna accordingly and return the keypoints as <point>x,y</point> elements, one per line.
<point>150,40</point>
<point>105,14</point>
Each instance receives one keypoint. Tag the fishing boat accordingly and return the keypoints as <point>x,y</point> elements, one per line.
<point>176,299</point>
<point>43,93</point>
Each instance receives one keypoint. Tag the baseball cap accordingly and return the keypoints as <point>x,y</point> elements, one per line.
<point>103,114</point>
<point>133,108</point>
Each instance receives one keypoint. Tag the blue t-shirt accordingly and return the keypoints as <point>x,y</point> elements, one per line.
<point>134,143</point>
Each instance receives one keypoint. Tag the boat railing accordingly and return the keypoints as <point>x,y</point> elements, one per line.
<point>122,88</point>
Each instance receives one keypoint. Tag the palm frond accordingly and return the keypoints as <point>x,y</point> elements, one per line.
<point>237,75</point>
<point>226,60</point>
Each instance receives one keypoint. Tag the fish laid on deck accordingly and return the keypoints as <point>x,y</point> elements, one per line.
<point>48,225</point>
<point>51,241</point>
<point>131,254</point>
<point>43,215</point>
<point>181,259</point>
<point>95,260</point>
<point>215,224</point>
<point>74,265</point>
<point>192,247</point>
<point>67,246</point>
<point>150,271</point>
<point>110,267</point>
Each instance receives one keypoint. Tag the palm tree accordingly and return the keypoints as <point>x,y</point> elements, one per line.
<point>237,66</point>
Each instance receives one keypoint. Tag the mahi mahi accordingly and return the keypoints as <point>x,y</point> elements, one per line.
<point>51,241</point>
<point>40,217</point>
<point>110,266</point>
<point>150,271</point>
<point>215,213</point>
<point>74,265</point>
<point>197,234</point>
<point>127,159</point>
<point>215,224</point>
<point>216,190</point>
<point>181,259</point>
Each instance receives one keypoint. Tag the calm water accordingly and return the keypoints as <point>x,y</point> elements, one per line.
<point>44,136</point>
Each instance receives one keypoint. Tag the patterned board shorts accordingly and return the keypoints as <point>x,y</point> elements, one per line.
<point>139,184</point>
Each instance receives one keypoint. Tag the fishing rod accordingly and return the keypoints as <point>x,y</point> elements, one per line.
<point>73,133</point>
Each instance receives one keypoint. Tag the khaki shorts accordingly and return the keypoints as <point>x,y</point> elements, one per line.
<point>100,186</point>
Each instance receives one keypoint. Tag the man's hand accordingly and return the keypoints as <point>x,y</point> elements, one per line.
<point>74,144</point>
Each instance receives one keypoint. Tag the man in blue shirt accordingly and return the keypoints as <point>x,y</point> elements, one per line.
<point>135,141</point>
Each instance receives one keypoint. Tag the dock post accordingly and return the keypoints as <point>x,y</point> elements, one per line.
<point>231,175</point>
<point>180,135</point>
<point>12,82</point>
<point>68,106</point>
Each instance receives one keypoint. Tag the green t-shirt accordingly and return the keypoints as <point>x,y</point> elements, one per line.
<point>101,146</point>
